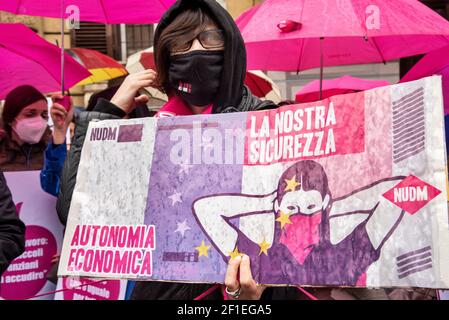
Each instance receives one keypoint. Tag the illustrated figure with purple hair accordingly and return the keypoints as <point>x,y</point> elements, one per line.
<point>299,234</point>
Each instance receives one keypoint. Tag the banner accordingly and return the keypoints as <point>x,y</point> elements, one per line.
<point>26,277</point>
<point>75,288</point>
<point>348,191</point>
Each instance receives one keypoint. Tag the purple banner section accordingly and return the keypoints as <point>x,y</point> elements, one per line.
<point>173,188</point>
<point>130,133</point>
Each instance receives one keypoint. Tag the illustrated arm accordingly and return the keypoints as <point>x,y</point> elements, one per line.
<point>367,204</point>
<point>212,213</point>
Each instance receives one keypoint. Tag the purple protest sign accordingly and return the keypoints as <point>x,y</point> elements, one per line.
<point>348,191</point>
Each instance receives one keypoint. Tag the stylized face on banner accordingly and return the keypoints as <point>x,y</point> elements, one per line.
<point>302,202</point>
<point>302,197</point>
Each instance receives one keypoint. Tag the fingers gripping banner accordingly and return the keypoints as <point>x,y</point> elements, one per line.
<point>349,191</point>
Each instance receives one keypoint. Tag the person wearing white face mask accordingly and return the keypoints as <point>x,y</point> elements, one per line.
<point>25,133</point>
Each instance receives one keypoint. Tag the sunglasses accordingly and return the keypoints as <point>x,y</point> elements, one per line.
<point>209,39</point>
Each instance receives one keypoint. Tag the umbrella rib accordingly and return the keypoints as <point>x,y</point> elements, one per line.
<point>302,10</point>
<point>445,38</point>
<point>365,31</point>
<point>378,50</point>
<point>362,24</point>
<point>302,40</point>
<point>164,4</point>
<point>104,12</point>
<point>18,6</point>
<point>300,56</point>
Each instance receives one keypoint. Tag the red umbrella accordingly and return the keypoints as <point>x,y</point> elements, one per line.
<point>262,86</point>
<point>102,67</point>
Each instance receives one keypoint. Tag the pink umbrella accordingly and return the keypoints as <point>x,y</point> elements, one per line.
<point>347,34</point>
<point>101,11</point>
<point>343,85</point>
<point>435,62</point>
<point>26,58</point>
<point>294,35</point>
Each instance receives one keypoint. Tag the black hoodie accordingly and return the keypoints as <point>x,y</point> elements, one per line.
<point>12,229</point>
<point>232,88</point>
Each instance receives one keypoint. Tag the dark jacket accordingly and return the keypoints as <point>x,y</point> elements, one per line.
<point>21,158</point>
<point>12,230</point>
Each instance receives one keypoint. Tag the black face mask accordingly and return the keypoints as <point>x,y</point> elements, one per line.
<point>195,76</point>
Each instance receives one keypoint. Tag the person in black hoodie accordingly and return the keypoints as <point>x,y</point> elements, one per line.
<point>12,229</point>
<point>201,64</point>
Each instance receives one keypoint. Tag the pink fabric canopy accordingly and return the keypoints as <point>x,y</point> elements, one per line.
<point>353,32</point>
<point>26,58</point>
<point>345,84</point>
<point>434,63</point>
<point>102,11</point>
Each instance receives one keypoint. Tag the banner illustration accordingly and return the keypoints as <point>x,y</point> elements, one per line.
<point>348,191</point>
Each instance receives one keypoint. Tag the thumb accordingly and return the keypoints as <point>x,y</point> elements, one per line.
<point>141,99</point>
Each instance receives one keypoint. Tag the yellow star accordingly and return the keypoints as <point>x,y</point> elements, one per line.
<point>291,184</point>
<point>283,219</point>
<point>203,249</point>
<point>264,247</point>
<point>235,253</point>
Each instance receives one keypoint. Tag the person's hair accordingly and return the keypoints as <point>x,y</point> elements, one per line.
<point>184,28</point>
<point>287,103</point>
<point>309,173</point>
<point>105,94</point>
<point>17,100</point>
<point>312,176</point>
